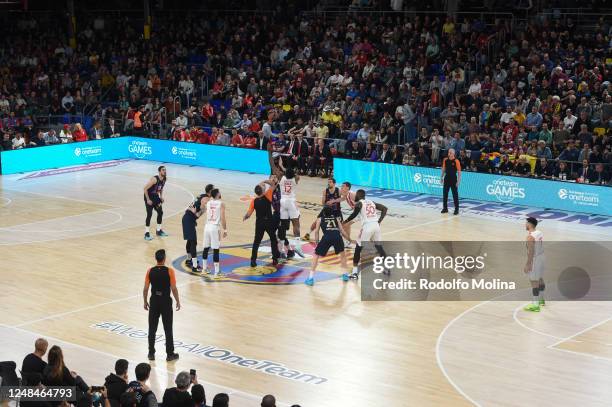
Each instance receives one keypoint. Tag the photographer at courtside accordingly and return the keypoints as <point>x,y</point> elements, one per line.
<point>162,281</point>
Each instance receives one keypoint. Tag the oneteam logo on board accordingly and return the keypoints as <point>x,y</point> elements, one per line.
<point>505,190</point>
<point>579,197</point>
<point>140,149</point>
<point>184,152</point>
<point>77,152</point>
<point>430,181</point>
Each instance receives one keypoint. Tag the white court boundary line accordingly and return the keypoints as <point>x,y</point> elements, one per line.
<point>7,203</point>
<point>90,202</point>
<point>231,390</point>
<point>588,328</point>
<point>89,307</point>
<point>15,228</point>
<point>519,322</point>
<point>439,358</point>
<point>551,346</point>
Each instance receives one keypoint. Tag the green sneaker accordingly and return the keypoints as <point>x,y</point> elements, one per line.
<point>542,302</point>
<point>532,308</point>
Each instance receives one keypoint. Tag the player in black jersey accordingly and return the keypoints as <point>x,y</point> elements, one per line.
<point>190,234</point>
<point>153,198</point>
<point>333,233</point>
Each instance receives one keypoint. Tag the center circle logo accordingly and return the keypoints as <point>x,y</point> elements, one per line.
<point>174,150</point>
<point>562,193</point>
<point>417,177</point>
<point>77,151</point>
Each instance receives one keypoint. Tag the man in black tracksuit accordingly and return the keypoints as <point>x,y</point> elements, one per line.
<point>162,281</point>
<point>451,176</point>
<point>264,222</point>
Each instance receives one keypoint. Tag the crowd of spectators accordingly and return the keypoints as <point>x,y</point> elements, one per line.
<point>120,388</point>
<point>509,98</point>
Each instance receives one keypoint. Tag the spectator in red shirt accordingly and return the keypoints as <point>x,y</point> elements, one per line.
<point>208,113</point>
<point>237,140</point>
<point>250,141</point>
<point>213,136</point>
<point>79,133</point>
<point>511,129</point>
<point>255,125</point>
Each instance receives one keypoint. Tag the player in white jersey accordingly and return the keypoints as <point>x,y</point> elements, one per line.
<point>535,264</point>
<point>289,210</point>
<point>370,228</point>
<point>215,217</point>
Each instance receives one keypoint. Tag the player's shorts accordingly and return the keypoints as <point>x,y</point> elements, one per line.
<point>330,239</point>
<point>537,272</point>
<point>154,198</point>
<point>288,209</point>
<point>212,236</point>
<point>369,232</point>
<point>189,226</point>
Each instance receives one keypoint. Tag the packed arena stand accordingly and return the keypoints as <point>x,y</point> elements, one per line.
<point>528,98</point>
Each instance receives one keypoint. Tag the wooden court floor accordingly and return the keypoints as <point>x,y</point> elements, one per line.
<point>73,263</point>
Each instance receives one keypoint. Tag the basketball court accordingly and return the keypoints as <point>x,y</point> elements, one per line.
<point>74,261</point>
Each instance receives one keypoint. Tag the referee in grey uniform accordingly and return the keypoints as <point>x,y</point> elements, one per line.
<point>162,281</point>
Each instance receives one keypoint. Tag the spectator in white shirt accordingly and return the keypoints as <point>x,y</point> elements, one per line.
<point>18,142</point>
<point>569,120</point>
<point>507,115</point>
<point>475,88</point>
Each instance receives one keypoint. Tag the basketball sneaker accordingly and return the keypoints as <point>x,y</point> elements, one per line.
<point>148,237</point>
<point>172,357</point>
<point>309,282</point>
<point>354,276</point>
<point>532,308</point>
<point>196,270</point>
<point>151,356</point>
<point>345,277</point>
<point>161,233</point>
<point>298,249</point>
<point>542,302</point>
<point>253,263</point>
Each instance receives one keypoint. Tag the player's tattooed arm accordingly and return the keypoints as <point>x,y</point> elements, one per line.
<point>383,211</point>
<point>354,214</point>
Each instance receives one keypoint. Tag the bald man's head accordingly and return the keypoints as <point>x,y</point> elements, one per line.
<point>40,346</point>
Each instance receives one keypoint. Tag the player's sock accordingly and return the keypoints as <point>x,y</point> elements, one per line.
<point>194,262</point>
<point>311,274</point>
<point>535,291</point>
<point>216,261</point>
<point>541,297</point>
<point>159,227</point>
<point>146,229</point>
